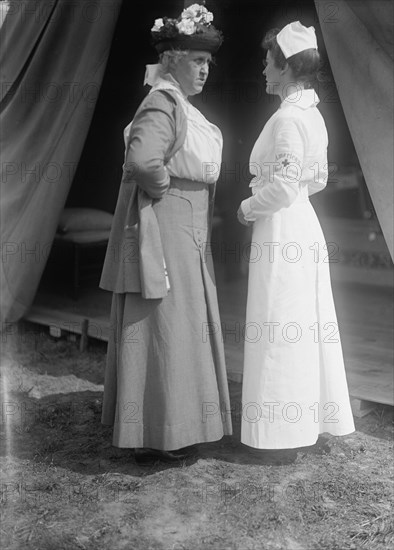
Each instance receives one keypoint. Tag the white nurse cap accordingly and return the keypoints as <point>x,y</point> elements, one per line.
<point>295,38</point>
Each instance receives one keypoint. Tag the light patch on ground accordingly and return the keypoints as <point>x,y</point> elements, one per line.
<point>14,377</point>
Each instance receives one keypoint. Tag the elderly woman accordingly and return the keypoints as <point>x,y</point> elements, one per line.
<point>294,383</point>
<point>165,382</point>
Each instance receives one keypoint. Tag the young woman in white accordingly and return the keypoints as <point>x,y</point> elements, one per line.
<point>294,382</point>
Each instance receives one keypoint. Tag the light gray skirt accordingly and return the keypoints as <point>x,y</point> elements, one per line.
<point>165,380</point>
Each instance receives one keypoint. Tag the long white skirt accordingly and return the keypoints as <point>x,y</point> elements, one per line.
<point>294,382</point>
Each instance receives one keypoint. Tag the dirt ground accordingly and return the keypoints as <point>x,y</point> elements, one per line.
<point>63,485</point>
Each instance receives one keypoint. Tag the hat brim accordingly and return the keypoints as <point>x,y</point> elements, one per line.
<point>207,42</point>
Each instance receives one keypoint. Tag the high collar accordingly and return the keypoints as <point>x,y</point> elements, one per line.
<point>302,99</point>
<point>159,80</point>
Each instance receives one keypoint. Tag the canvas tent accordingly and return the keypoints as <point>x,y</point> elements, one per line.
<point>54,54</point>
<point>359,39</point>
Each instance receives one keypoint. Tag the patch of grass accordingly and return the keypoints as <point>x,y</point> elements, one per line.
<point>65,486</point>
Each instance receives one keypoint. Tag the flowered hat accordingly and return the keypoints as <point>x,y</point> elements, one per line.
<point>193,30</point>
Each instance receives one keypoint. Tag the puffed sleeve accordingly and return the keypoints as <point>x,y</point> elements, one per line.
<point>280,187</point>
<point>151,136</point>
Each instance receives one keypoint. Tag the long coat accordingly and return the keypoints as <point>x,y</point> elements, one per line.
<point>134,258</point>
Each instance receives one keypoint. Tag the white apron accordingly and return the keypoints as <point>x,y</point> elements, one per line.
<point>294,383</point>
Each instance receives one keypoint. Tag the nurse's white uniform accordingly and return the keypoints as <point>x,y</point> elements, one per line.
<point>294,382</point>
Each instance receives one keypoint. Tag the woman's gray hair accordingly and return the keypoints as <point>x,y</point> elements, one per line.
<point>168,55</point>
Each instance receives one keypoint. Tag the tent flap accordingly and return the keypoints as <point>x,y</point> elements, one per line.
<point>359,42</point>
<point>50,83</point>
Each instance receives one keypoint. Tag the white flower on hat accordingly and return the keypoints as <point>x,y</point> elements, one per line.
<point>186,26</point>
<point>159,23</point>
<point>198,14</point>
<point>191,12</point>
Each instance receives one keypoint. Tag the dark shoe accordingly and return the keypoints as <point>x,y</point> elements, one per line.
<point>321,447</point>
<point>187,452</point>
<point>150,456</point>
<point>274,457</point>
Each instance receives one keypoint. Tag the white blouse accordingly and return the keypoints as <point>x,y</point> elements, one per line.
<point>199,158</point>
